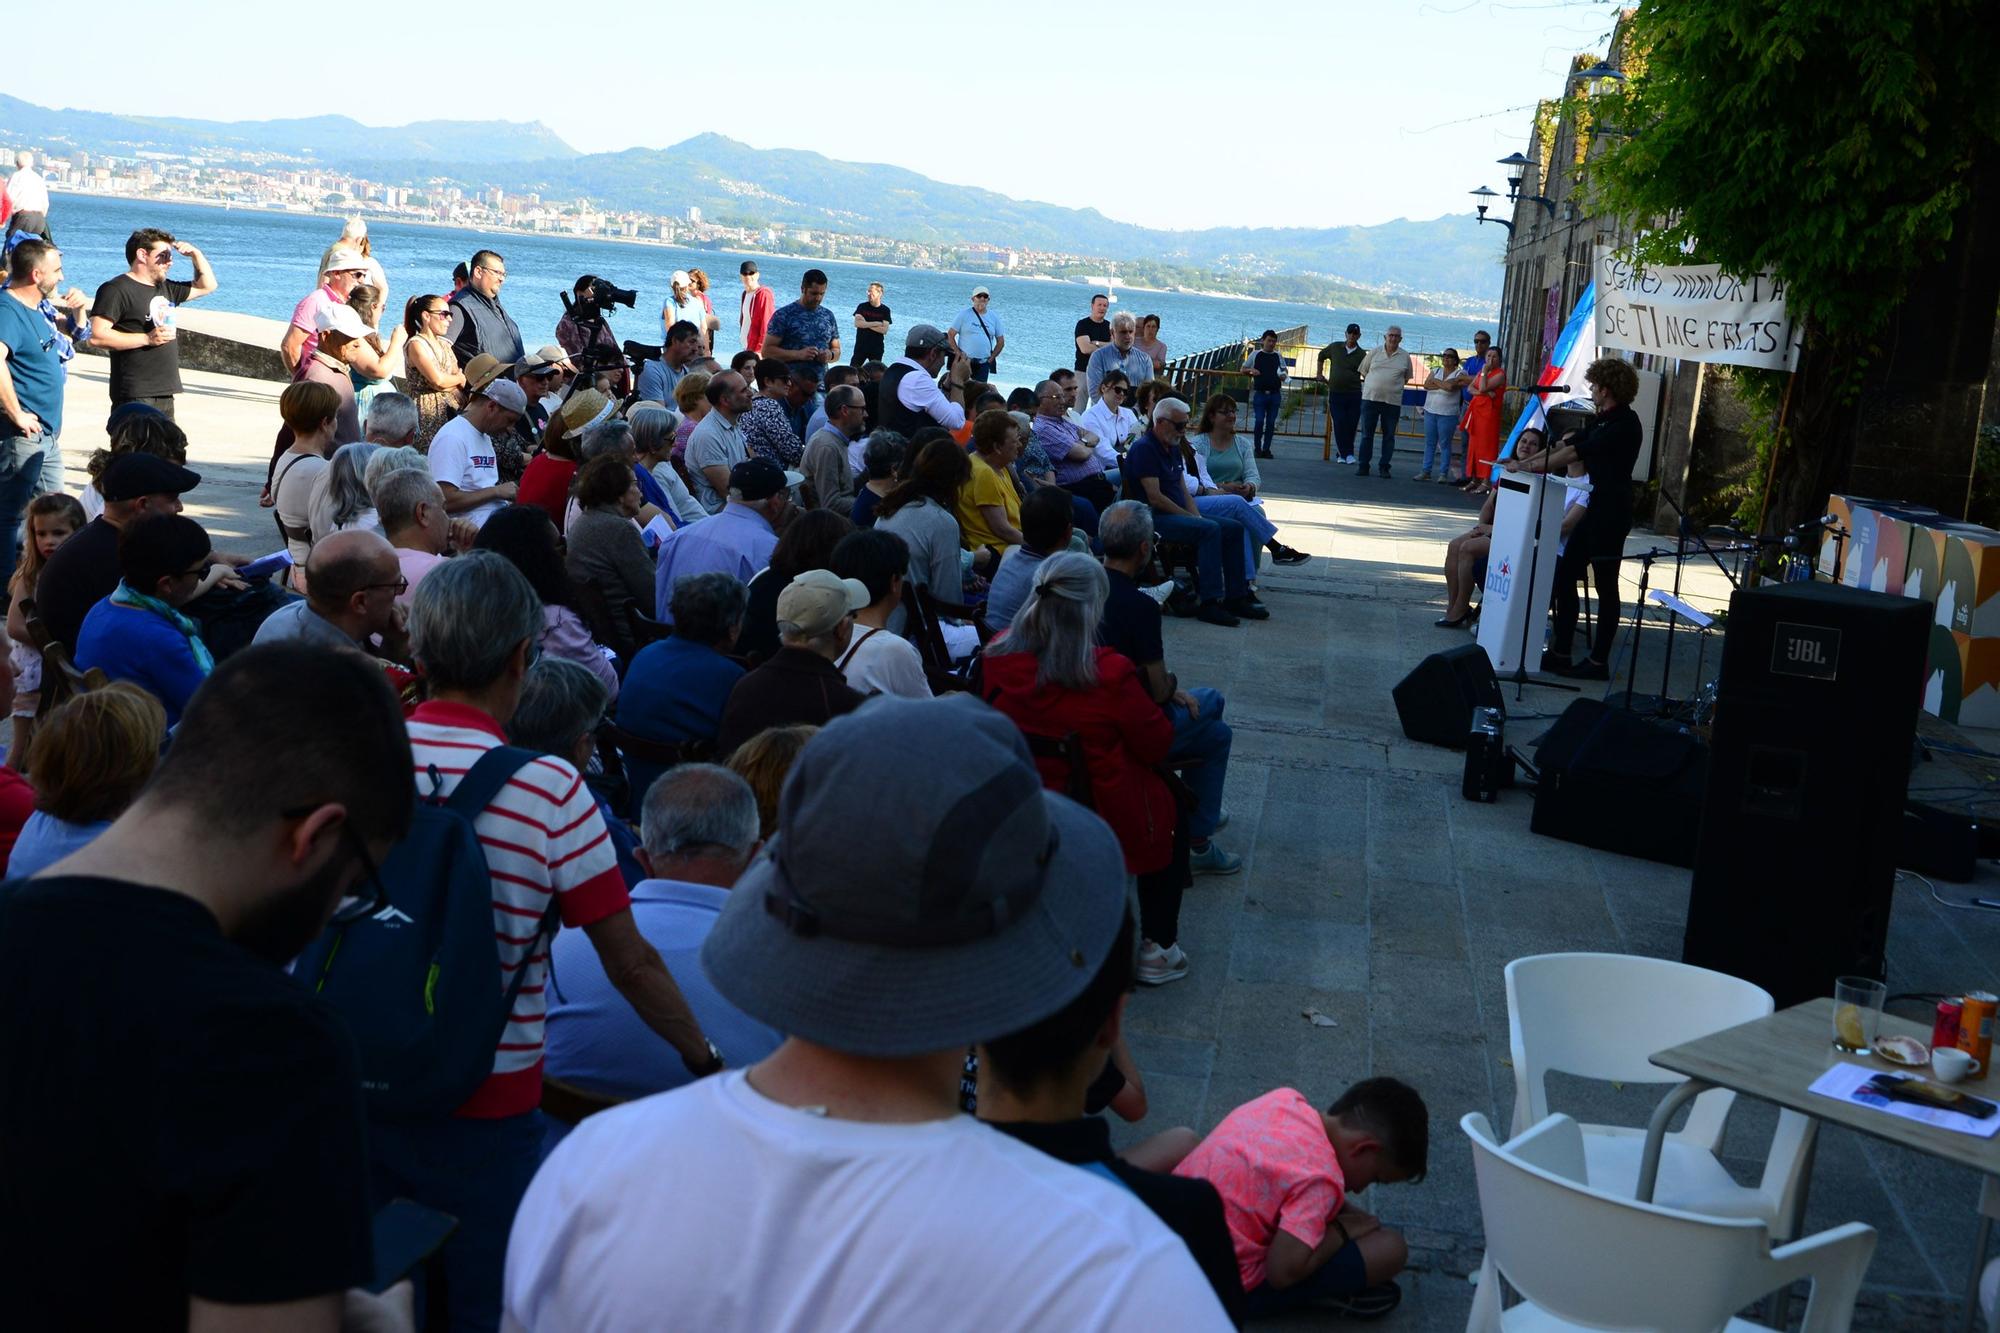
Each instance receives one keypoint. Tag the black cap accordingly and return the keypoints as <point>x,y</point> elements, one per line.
<point>124,412</point>
<point>757,479</point>
<point>748,266</point>
<point>129,476</point>
<point>1354,328</point>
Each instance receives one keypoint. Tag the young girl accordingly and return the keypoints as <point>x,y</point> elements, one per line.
<point>52,520</point>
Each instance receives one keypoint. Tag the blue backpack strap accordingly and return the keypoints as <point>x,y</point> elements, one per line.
<point>483,781</point>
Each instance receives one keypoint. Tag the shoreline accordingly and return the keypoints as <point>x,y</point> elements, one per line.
<point>372,216</point>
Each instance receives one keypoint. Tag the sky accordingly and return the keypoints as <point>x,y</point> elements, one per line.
<point>1332,113</point>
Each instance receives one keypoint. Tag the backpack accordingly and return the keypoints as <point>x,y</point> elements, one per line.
<point>416,981</point>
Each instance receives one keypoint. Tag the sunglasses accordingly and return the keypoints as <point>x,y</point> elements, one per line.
<point>162,256</point>
<point>1110,388</point>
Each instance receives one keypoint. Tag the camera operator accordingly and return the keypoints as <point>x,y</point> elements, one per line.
<point>909,397</point>
<point>661,375</point>
<point>585,331</point>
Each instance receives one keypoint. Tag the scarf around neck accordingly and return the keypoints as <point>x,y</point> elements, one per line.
<point>126,595</point>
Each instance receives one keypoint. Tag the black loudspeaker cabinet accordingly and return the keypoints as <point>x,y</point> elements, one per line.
<point>1436,701</point>
<point>1815,713</point>
<point>1617,781</point>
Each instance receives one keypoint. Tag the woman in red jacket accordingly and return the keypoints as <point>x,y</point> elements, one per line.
<point>1048,674</point>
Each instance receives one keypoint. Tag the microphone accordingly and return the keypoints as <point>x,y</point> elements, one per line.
<point>1543,388</point>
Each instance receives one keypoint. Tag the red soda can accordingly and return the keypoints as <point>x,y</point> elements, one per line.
<point>1944,1032</point>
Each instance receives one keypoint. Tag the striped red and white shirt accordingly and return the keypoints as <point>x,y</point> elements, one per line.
<point>542,834</point>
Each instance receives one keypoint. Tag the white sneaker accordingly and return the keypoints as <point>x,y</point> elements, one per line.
<point>1159,592</point>
<point>1159,966</point>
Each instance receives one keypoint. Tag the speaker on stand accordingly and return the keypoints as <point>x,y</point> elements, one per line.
<point>1815,712</point>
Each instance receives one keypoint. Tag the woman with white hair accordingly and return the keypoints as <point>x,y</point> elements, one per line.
<point>340,493</point>
<point>1049,674</point>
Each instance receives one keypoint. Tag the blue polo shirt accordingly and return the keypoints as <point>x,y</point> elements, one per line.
<point>973,340</point>
<point>674,691</point>
<point>1149,458</point>
<point>33,363</point>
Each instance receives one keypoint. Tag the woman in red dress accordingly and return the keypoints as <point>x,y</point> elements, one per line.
<point>1482,424</point>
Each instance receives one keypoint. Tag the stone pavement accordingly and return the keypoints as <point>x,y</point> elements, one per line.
<point>1373,893</point>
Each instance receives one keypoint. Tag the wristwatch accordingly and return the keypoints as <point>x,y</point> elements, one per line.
<point>714,1064</point>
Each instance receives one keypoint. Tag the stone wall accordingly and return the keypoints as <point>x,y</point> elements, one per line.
<point>227,343</point>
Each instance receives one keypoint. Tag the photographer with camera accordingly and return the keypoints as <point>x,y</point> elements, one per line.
<point>585,334</point>
<point>909,397</point>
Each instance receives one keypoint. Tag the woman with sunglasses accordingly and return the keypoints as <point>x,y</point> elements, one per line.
<point>436,382</point>
<point>1111,419</point>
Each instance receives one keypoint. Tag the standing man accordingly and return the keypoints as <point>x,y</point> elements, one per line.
<point>1384,372</point>
<point>805,331</point>
<point>1340,367</point>
<point>1118,354</point>
<point>31,383</point>
<point>1267,369</point>
<point>345,270</point>
<point>1093,331</point>
<point>757,303</point>
<point>28,197</point>
<point>479,323</point>
<point>978,335</point>
<point>133,318</point>
<point>871,322</point>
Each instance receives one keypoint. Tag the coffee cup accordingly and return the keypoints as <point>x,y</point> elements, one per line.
<point>1951,1064</point>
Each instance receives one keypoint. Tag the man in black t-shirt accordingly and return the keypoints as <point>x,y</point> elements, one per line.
<point>1032,1085</point>
<point>133,318</point>
<point>871,321</point>
<point>1093,331</point>
<point>184,1119</point>
<point>84,570</point>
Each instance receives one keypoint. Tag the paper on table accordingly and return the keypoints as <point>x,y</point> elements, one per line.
<point>1844,1082</point>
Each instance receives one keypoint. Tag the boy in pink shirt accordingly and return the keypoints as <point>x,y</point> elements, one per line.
<point>1285,1170</point>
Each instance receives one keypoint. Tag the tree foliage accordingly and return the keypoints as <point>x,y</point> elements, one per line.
<point>1830,145</point>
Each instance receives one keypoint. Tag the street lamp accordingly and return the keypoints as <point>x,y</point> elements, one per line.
<point>1601,72</point>
<point>1517,167</point>
<point>1486,198</point>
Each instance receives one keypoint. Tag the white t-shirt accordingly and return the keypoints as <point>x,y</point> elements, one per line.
<point>462,456</point>
<point>1110,428</point>
<point>712,1207</point>
<point>292,497</point>
<point>1444,402</point>
<point>886,662</point>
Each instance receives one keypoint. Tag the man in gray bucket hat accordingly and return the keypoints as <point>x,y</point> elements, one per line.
<point>835,1185</point>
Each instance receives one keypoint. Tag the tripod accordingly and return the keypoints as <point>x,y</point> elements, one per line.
<point>589,317</point>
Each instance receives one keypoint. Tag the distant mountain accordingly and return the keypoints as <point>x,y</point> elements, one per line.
<point>333,140</point>
<point>728,181</point>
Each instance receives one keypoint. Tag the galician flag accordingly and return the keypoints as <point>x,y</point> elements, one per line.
<point>1574,351</point>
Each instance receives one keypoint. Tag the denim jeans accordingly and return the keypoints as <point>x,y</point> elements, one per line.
<point>1438,429</point>
<point>20,473</point>
<point>1218,551</point>
<point>1345,409</point>
<point>476,1170</point>
<point>1257,529</point>
<point>1264,410</point>
<point>1206,738</point>
<point>1386,416</point>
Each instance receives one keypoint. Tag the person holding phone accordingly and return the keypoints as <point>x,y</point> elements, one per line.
<point>133,318</point>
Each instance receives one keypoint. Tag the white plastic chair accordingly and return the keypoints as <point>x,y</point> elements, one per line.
<point>1601,1016</point>
<point>1583,1258</point>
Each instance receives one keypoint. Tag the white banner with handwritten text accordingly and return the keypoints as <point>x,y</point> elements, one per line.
<point>1695,312</point>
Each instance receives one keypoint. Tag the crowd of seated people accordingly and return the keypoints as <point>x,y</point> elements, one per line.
<point>646,740</point>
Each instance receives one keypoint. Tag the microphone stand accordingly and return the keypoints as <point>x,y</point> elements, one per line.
<point>1521,677</point>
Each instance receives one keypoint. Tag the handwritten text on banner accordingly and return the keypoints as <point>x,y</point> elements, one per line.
<point>1695,312</point>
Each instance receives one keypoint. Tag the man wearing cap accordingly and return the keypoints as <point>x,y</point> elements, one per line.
<point>737,541</point>
<point>908,398</point>
<point>985,906</point>
<point>683,303</point>
<point>805,331</point>
<point>84,570</point>
<point>661,375</point>
<point>540,377</point>
<point>716,443</point>
<point>463,459</point>
<point>1340,367</point>
<point>979,334</point>
<point>479,323</point>
<point>344,269</point>
<point>1118,354</point>
<point>338,327</point>
<point>800,683</point>
<point>757,304</point>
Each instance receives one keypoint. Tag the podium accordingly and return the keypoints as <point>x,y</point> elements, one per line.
<point>1509,602</point>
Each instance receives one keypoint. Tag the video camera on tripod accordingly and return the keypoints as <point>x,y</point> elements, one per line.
<point>592,300</point>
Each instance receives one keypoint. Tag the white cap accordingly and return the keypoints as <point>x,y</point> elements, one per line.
<point>340,319</point>
<point>679,278</point>
<point>342,260</point>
